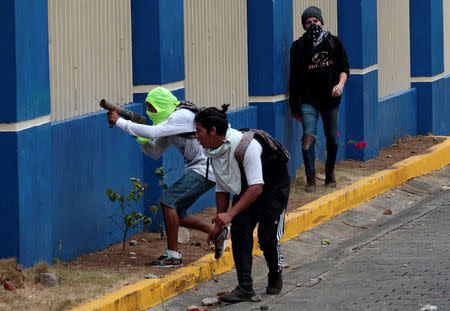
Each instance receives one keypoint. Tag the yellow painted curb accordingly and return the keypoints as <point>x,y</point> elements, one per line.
<point>148,293</point>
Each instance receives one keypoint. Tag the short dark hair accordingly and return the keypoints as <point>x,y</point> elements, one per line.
<point>211,116</point>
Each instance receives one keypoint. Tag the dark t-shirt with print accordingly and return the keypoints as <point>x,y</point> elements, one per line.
<point>314,71</point>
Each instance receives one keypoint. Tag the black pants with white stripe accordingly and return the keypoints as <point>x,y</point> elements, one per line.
<point>268,212</point>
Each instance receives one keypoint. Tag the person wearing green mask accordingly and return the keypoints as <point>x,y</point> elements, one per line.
<point>173,124</point>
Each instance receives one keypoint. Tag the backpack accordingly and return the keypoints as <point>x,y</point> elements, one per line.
<point>279,152</point>
<point>184,104</point>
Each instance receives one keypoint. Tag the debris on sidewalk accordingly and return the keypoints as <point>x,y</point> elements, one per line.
<point>387,212</point>
<point>210,301</point>
<point>355,226</point>
<point>310,283</point>
<point>428,308</point>
<point>151,276</point>
<point>325,242</point>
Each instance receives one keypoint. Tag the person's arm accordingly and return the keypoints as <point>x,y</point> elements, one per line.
<point>247,199</point>
<point>253,172</point>
<point>342,66</point>
<point>222,203</point>
<point>339,88</point>
<point>155,149</point>
<point>181,121</point>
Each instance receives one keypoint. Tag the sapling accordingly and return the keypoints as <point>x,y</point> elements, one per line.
<point>135,219</point>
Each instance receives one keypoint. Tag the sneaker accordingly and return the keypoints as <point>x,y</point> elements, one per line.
<point>238,295</point>
<point>166,261</point>
<point>220,242</point>
<point>275,283</point>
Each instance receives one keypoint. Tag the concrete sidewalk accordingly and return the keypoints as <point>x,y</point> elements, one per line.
<point>373,262</point>
<point>148,293</point>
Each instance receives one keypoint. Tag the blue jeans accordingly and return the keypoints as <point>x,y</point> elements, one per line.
<point>185,191</point>
<point>330,117</point>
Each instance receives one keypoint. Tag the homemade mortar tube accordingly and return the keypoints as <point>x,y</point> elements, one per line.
<point>127,114</point>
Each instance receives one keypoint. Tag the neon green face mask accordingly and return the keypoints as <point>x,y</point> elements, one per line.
<point>164,102</point>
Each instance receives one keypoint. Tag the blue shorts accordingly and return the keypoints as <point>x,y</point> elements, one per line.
<point>185,191</point>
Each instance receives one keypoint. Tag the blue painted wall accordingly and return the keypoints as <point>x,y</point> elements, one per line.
<point>357,27</point>
<point>8,62</point>
<point>87,158</point>
<point>427,37</point>
<point>269,38</point>
<point>9,186</point>
<point>26,84</point>
<point>433,107</point>
<point>35,206</point>
<point>397,115</point>
<point>362,114</point>
<point>158,41</point>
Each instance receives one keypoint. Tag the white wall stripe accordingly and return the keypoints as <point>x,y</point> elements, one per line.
<point>428,79</point>
<point>267,99</point>
<point>364,70</point>
<point>147,88</point>
<point>23,125</point>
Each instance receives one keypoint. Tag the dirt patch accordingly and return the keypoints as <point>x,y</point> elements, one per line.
<point>93,275</point>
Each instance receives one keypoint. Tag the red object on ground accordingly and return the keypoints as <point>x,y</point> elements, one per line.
<point>8,286</point>
<point>387,212</point>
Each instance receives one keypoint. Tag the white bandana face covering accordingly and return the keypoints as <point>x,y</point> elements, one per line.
<point>226,168</point>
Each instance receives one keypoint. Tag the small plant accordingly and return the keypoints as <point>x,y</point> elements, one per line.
<point>154,208</point>
<point>135,219</point>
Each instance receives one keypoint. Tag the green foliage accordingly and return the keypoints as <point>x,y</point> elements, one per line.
<point>130,218</point>
<point>161,174</point>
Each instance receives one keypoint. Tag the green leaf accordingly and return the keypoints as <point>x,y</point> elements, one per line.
<point>154,209</point>
<point>109,191</point>
<point>121,199</point>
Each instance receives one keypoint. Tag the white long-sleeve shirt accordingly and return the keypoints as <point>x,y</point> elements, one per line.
<point>167,133</point>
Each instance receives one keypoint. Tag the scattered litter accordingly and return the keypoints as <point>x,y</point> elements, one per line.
<point>48,279</point>
<point>264,307</point>
<point>325,242</point>
<point>310,283</point>
<point>293,267</point>
<point>144,240</point>
<point>193,308</point>
<point>183,235</point>
<point>428,308</point>
<point>122,263</point>
<point>405,265</point>
<point>430,250</point>
<point>355,226</point>
<point>195,244</point>
<point>388,156</point>
<point>210,301</point>
<point>151,276</point>
<point>133,242</point>
<point>8,286</point>
<point>387,212</point>
<point>133,257</point>
<point>256,298</point>
<point>409,203</point>
<point>132,253</point>
<point>444,187</point>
